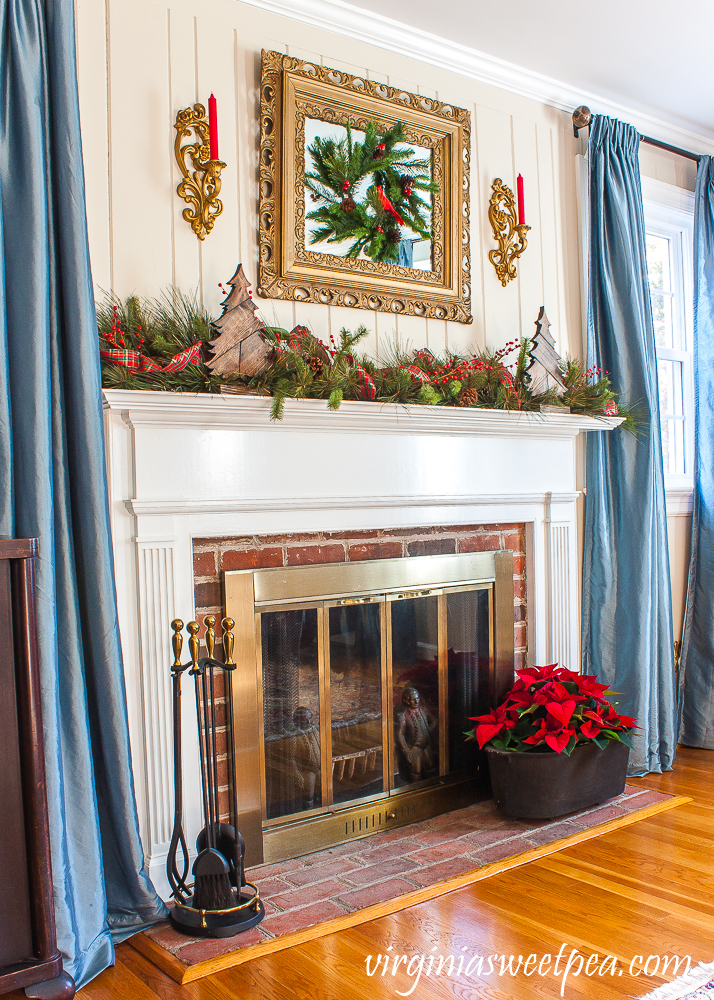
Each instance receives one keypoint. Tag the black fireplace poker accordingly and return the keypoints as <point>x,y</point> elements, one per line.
<point>219,902</point>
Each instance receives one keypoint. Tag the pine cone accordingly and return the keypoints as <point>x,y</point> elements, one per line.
<point>314,364</point>
<point>468,397</point>
<point>378,152</point>
<point>348,205</point>
<point>394,236</point>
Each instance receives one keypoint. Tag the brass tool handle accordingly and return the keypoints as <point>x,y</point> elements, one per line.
<point>210,622</point>
<point>228,640</point>
<point>177,643</point>
<point>193,628</point>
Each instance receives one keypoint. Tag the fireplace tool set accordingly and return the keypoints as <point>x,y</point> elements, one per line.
<point>219,902</point>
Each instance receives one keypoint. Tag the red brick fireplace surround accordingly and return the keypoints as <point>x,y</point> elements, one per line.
<point>213,556</point>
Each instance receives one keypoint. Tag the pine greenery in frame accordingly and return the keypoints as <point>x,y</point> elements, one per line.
<point>392,199</point>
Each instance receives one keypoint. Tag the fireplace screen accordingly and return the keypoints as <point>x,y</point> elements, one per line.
<point>365,677</point>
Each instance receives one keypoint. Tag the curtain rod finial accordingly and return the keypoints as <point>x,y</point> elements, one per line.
<point>582,116</point>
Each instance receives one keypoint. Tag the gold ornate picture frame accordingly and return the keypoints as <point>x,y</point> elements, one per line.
<point>293,90</point>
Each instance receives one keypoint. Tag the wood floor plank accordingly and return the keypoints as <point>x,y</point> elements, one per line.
<point>648,862</point>
<point>632,894</point>
<point>667,889</point>
<point>600,923</point>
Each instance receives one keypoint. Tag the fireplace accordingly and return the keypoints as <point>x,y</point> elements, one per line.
<point>204,484</point>
<point>364,675</point>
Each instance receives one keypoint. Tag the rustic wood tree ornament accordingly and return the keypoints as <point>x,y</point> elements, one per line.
<point>239,348</point>
<point>545,368</point>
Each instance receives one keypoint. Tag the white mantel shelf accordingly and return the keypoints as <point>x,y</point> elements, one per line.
<point>184,466</point>
<point>183,409</point>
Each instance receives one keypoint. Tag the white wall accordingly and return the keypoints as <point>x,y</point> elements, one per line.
<point>140,62</point>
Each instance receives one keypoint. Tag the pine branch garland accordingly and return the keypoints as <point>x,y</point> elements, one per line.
<point>302,366</point>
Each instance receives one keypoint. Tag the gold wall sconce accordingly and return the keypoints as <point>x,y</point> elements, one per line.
<point>508,231</point>
<point>200,186</point>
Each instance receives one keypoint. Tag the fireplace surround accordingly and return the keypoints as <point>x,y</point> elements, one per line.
<point>184,469</point>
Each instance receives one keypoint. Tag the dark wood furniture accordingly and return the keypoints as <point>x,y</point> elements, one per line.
<point>28,947</point>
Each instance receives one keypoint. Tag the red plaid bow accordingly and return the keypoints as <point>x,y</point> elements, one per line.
<point>365,382</point>
<point>416,373</point>
<point>139,362</point>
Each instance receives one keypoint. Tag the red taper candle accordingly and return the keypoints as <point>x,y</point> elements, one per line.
<point>521,202</point>
<point>213,127</point>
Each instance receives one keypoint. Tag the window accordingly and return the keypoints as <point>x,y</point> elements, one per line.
<point>669,267</point>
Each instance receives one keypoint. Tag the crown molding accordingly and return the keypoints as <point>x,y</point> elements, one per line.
<point>375,29</point>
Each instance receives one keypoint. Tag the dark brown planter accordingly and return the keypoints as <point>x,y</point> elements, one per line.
<point>545,785</point>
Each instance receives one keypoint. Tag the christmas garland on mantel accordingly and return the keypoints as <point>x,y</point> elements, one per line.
<point>164,345</point>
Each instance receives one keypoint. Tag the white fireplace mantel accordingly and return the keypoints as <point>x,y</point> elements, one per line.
<point>183,466</point>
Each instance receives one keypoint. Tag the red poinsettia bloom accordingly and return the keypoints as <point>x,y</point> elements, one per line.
<point>553,733</point>
<point>560,713</point>
<point>523,697</point>
<point>607,712</point>
<point>591,729</point>
<point>590,686</point>
<point>538,673</point>
<point>555,691</point>
<point>559,741</point>
<point>491,725</point>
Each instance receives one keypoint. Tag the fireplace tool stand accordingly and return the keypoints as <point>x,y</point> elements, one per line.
<point>219,902</point>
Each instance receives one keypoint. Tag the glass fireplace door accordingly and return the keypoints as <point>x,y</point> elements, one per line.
<point>417,701</point>
<point>356,699</point>
<point>292,716</point>
<point>368,697</point>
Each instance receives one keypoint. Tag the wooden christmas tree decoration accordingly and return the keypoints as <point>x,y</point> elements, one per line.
<point>545,368</point>
<point>239,348</point>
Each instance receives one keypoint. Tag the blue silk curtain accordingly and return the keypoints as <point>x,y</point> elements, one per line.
<point>697,673</point>
<point>53,486</point>
<point>627,617</point>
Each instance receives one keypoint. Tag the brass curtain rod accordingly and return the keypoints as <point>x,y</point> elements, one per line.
<point>582,117</point>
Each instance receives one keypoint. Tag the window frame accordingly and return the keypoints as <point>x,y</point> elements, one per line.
<point>669,212</point>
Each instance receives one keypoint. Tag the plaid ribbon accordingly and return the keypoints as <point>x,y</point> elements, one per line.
<point>365,382</point>
<point>139,362</point>
<point>300,338</point>
<point>416,373</point>
<point>610,409</point>
<point>191,356</point>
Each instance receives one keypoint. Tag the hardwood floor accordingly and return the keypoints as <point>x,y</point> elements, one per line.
<point>645,890</point>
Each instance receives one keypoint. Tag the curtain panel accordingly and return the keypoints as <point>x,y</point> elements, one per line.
<point>697,672</point>
<point>54,487</point>
<point>627,617</point>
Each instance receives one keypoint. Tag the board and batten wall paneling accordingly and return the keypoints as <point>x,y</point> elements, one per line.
<point>91,33</point>
<point>139,62</point>
<point>186,249</point>
<point>140,147</point>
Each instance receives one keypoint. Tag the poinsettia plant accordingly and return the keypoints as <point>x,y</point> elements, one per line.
<point>553,709</point>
